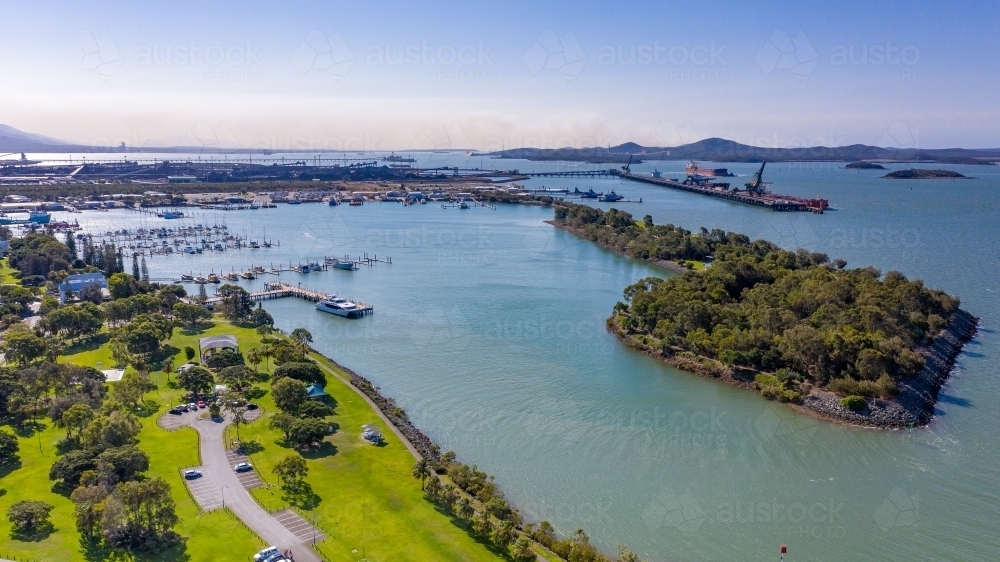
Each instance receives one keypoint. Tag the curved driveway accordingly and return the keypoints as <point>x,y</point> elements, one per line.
<point>214,462</point>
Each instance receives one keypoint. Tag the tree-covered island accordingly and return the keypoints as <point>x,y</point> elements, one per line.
<point>853,345</point>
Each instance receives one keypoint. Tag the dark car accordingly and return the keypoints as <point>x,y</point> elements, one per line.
<point>175,411</point>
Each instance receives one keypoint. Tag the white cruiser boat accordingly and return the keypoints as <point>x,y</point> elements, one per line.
<point>339,306</point>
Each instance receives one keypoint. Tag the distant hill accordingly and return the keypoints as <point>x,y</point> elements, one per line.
<point>864,166</point>
<point>14,140</point>
<point>722,150</point>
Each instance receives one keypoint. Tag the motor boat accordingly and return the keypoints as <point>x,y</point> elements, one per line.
<point>339,306</point>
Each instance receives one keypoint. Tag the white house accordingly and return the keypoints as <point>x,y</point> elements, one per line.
<point>77,282</point>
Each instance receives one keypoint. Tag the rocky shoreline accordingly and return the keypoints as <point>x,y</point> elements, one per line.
<point>912,407</point>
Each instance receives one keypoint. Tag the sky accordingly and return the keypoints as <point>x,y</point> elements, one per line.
<point>338,76</point>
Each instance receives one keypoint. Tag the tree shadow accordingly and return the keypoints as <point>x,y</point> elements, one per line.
<point>301,495</point>
<point>251,447</point>
<point>326,449</point>
<point>94,551</point>
<point>62,489</point>
<point>89,344</point>
<point>963,402</point>
<point>164,352</point>
<point>12,464</point>
<point>38,534</point>
<point>197,329</point>
<point>28,428</point>
<point>66,445</point>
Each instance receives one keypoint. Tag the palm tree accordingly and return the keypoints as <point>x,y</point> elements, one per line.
<point>254,357</point>
<point>168,366</point>
<point>420,471</point>
<point>267,352</point>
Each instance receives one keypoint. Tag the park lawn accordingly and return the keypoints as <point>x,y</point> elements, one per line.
<point>366,500</point>
<point>697,264</point>
<point>168,451</point>
<point>6,273</point>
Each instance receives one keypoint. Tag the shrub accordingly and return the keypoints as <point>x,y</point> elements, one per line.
<point>852,402</point>
<point>224,358</point>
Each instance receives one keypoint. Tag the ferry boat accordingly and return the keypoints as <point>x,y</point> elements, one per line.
<point>339,306</point>
<point>39,217</point>
<point>172,215</point>
<point>294,202</point>
<point>346,265</point>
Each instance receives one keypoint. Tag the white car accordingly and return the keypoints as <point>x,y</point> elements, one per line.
<point>243,467</point>
<point>265,554</point>
<point>185,367</point>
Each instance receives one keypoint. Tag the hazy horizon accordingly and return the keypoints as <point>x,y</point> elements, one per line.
<point>332,76</point>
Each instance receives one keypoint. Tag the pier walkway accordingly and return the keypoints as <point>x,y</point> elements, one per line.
<point>279,290</point>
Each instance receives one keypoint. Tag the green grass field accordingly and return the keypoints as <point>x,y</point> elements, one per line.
<point>362,496</point>
<point>6,272</point>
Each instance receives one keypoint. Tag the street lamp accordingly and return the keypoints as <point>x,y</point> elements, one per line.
<point>224,495</point>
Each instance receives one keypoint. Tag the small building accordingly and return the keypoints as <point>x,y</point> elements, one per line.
<point>76,283</point>
<point>113,375</point>
<point>214,344</point>
<point>220,390</point>
<point>182,179</point>
<point>315,392</point>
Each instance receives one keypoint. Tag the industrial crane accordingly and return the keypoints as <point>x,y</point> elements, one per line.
<point>757,186</point>
<point>627,168</point>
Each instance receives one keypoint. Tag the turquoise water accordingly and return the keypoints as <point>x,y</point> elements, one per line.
<point>488,330</point>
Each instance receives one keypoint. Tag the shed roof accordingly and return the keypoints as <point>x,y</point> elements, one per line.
<point>218,342</point>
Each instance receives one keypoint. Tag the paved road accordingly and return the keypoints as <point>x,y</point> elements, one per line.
<point>214,462</point>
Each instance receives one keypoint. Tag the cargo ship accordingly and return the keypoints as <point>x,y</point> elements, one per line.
<point>693,169</point>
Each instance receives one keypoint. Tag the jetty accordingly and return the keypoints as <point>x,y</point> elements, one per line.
<point>278,290</point>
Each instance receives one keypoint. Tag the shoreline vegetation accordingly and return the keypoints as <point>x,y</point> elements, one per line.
<point>852,346</point>
<point>922,174</point>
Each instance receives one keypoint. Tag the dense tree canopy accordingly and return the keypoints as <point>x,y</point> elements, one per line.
<point>795,313</point>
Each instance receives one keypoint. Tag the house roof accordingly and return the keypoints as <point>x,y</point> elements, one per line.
<point>218,342</point>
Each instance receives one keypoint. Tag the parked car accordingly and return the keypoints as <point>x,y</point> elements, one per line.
<point>182,407</point>
<point>192,474</point>
<point>185,367</point>
<point>266,554</point>
<point>176,411</point>
<point>192,406</point>
<point>201,404</point>
<point>252,406</point>
<point>243,467</point>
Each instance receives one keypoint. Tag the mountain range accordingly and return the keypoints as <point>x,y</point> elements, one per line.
<point>722,150</point>
<point>713,149</point>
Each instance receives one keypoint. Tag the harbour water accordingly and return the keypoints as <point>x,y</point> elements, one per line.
<point>489,330</point>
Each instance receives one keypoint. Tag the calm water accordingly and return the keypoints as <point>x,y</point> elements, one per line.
<point>488,329</point>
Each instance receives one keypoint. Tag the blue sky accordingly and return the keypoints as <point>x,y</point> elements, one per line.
<point>384,75</point>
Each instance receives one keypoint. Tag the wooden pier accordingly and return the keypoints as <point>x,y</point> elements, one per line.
<point>278,290</point>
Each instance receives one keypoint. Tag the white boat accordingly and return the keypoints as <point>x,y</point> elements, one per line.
<point>339,306</point>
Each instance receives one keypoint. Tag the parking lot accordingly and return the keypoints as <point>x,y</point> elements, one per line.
<point>297,525</point>
<point>248,479</point>
<point>173,421</point>
<point>206,492</point>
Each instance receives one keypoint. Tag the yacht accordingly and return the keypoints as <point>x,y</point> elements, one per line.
<point>200,280</point>
<point>187,278</point>
<point>189,249</point>
<point>339,306</point>
<point>213,278</point>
